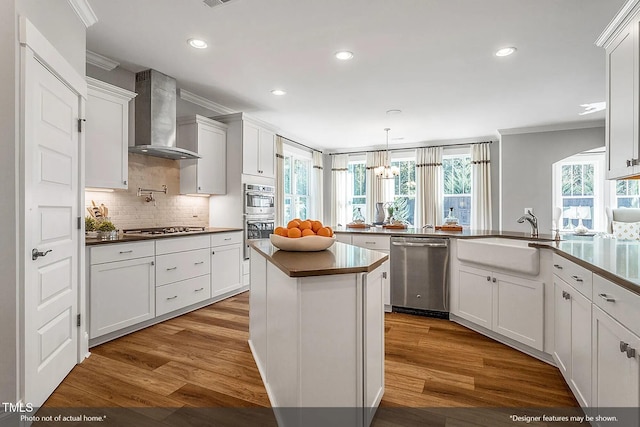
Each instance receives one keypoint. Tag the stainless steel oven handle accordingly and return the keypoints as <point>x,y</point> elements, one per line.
<point>253,193</point>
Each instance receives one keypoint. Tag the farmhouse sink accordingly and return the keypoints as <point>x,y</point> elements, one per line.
<point>497,252</point>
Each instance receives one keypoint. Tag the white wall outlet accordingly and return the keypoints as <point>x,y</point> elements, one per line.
<point>526,210</point>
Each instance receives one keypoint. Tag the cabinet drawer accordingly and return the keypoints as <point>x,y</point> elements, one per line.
<point>182,265</point>
<point>181,244</point>
<point>121,252</point>
<point>220,239</point>
<point>371,241</point>
<point>578,277</point>
<point>181,294</point>
<point>621,304</point>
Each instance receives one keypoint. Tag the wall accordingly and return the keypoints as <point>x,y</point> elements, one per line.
<point>60,25</point>
<point>525,173</point>
<point>127,210</point>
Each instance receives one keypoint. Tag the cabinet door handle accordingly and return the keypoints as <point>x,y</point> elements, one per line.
<point>558,266</point>
<point>493,280</point>
<point>126,252</point>
<point>198,290</point>
<point>628,163</point>
<point>199,262</point>
<point>631,353</point>
<point>488,278</point>
<point>606,298</point>
<point>153,263</point>
<point>124,182</point>
<point>172,268</point>
<point>173,297</point>
<point>577,279</point>
<point>623,346</point>
<point>213,252</point>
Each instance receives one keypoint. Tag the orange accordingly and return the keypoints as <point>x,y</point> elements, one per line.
<point>330,231</point>
<point>281,231</point>
<point>316,225</point>
<point>294,232</point>
<point>294,223</point>
<point>324,231</point>
<point>305,225</point>
<point>308,232</point>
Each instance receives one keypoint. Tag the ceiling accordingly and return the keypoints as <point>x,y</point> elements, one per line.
<point>432,59</point>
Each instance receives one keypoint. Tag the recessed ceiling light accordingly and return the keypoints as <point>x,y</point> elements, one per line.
<point>344,55</point>
<point>506,51</point>
<point>391,112</point>
<point>197,43</point>
<point>279,92</point>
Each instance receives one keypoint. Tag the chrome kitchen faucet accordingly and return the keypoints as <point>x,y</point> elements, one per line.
<point>533,221</point>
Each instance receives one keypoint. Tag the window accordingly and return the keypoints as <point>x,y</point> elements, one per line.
<point>456,180</point>
<point>404,189</point>
<point>297,176</point>
<point>578,195</point>
<point>627,194</point>
<point>357,191</point>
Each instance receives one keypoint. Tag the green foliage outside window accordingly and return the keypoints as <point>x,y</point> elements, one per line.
<point>457,175</point>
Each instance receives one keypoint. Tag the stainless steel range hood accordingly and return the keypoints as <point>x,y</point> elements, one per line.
<point>156,117</point>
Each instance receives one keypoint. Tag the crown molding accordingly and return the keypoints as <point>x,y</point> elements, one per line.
<point>101,61</point>
<point>82,8</point>
<point>556,127</point>
<point>109,89</point>
<point>203,102</point>
<point>618,23</point>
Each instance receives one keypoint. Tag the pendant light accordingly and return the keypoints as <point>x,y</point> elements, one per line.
<point>387,171</point>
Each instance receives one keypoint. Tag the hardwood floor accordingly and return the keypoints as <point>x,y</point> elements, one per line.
<point>202,359</point>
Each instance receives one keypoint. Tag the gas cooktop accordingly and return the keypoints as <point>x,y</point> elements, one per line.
<point>163,230</point>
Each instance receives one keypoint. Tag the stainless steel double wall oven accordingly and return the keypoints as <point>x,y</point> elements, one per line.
<point>259,213</point>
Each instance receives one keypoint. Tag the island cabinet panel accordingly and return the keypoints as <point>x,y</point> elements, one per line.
<point>258,309</point>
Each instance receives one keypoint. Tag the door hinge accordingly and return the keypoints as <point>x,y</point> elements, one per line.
<point>384,274</point>
<point>79,223</point>
<point>78,321</point>
<point>80,124</point>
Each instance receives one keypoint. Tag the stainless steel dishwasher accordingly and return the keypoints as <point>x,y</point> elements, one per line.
<point>420,276</point>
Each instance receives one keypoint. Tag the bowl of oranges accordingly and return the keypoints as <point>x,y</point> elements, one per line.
<point>303,236</point>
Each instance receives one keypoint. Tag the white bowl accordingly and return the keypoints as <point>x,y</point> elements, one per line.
<point>302,244</point>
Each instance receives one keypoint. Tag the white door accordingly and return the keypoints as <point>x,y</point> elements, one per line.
<point>51,208</point>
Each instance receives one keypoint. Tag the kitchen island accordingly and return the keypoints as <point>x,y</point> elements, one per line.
<point>316,327</point>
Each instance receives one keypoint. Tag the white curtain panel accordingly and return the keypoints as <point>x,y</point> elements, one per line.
<point>481,186</point>
<point>429,186</point>
<point>317,187</point>
<point>339,174</point>
<point>279,180</point>
<point>378,190</point>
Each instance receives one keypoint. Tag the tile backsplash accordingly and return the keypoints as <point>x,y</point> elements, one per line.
<point>127,210</point>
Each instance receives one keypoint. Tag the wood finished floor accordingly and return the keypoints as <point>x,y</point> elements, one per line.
<point>202,359</point>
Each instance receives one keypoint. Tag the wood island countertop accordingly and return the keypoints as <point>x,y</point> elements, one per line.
<point>340,258</point>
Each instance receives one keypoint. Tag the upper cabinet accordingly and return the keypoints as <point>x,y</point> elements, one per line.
<point>257,142</point>
<point>620,39</point>
<point>107,135</point>
<point>208,138</point>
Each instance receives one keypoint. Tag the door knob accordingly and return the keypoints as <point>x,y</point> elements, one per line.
<point>35,253</point>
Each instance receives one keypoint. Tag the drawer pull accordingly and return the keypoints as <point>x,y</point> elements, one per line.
<point>126,252</point>
<point>228,238</point>
<point>577,279</point>
<point>153,263</point>
<point>493,279</point>
<point>173,297</point>
<point>606,298</point>
<point>370,243</point>
<point>488,278</point>
<point>623,346</point>
<point>198,290</point>
<point>631,353</point>
<point>566,295</point>
<point>172,268</point>
<point>213,252</point>
<point>558,266</point>
<point>200,262</point>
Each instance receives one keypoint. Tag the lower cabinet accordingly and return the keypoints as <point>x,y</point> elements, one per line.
<point>182,294</point>
<point>375,243</point>
<point>509,305</point>
<point>122,293</point>
<point>226,263</point>
<point>572,338</point>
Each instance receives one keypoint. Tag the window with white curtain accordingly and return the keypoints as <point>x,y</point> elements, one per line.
<point>456,184</point>
<point>297,178</point>
<point>357,178</point>
<point>404,188</point>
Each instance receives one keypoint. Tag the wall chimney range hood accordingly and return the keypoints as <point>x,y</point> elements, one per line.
<point>155,117</point>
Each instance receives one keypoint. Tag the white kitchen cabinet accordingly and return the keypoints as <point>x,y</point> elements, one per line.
<point>509,305</point>
<point>616,373</point>
<point>343,238</point>
<point>380,244</point>
<point>208,138</point>
<point>622,76</point>
<point>572,339</point>
<point>121,293</point>
<point>226,263</point>
<point>107,135</point>
<point>257,141</point>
